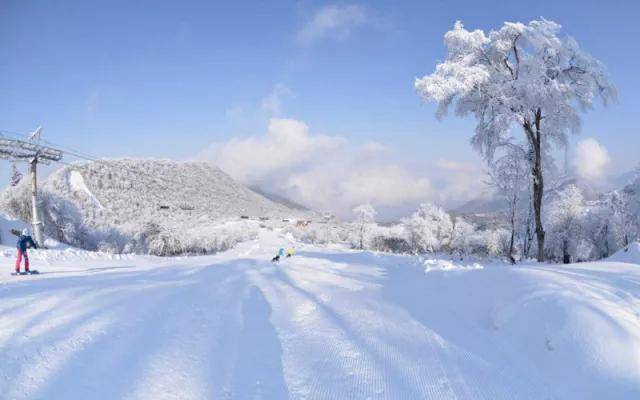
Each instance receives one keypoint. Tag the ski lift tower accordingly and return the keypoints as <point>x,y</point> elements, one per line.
<point>32,152</point>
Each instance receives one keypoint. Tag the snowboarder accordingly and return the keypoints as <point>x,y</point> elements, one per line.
<point>291,252</point>
<point>24,241</point>
<point>277,257</point>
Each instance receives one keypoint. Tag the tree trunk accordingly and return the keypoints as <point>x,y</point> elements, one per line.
<point>528,234</point>
<point>538,191</point>
<point>566,257</point>
<point>536,176</point>
<point>514,202</point>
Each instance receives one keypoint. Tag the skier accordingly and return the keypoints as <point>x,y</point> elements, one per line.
<point>24,241</point>
<point>277,257</point>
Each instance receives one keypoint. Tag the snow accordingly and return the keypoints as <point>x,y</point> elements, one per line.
<point>446,265</point>
<point>629,254</point>
<point>76,182</point>
<point>328,323</point>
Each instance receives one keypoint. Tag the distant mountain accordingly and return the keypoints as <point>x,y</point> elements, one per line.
<point>484,205</point>
<point>624,179</point>
<point>158,206</point>
<point>279,199</point>
<point>492,203</point>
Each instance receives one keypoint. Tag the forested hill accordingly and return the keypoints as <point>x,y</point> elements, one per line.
<point>117,202</point>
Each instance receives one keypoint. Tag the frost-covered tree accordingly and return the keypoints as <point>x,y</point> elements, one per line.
<point>625,205</point>
<point>16,176</point>
<point>521,76</point>
<point>564,219</point>
<point>496,242</point>
<point>599,230</point>
<point>429,228</point>
<point>509,175</point>
<point>365,215</point>
<point>462,237</point>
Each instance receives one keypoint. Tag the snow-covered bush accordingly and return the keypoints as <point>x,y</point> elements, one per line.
<point>489,242</point>
<point>389,238</point>
<point>429,229</point>
<point>320,233</point>
<point>390,244</point>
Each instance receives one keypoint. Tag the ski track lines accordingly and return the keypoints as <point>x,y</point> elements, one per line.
<point>320,325</point>
<point>368,349</point>
<point>159,334</point>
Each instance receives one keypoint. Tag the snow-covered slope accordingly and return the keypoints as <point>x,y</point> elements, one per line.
<point>159,206</point>
<point>325,324</point>
<point>171,190</point>
<point>629,254</point>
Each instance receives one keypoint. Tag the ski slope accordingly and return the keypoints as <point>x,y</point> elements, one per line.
<point>329,323</point>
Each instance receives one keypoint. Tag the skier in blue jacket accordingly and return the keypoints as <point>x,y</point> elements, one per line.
<point>24,241</point>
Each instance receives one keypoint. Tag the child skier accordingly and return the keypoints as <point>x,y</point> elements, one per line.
<point>277,257</point>
<point>24,241</point>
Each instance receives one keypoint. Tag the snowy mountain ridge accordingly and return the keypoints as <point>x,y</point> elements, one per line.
<point>158,206</point>
<point>492,203</point>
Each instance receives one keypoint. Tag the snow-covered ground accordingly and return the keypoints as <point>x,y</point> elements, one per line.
<point>329,323</point>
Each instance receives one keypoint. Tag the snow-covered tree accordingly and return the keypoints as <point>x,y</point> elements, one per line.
<point>16,175</point>
<point>564,219</point>
<point>429,228</point>
<point>497,242</point>
<point>625,204</point>
<point>522,75</point>
<point>509,175</point>
<point>365,215</point>
<point>462,240</point>
<point>599,230</point>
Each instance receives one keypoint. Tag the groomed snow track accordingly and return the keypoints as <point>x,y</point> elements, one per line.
<point>322,325</point>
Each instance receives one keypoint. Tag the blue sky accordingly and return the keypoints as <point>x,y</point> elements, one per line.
<point>145,78</point>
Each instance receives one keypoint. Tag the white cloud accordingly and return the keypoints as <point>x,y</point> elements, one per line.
<point>333,22</point>
<point>272,103</point>
<point>459,181</point>
<point>322,172</point>
<point>287,146</point>
<point>454,166</point>
<point>591,159</point>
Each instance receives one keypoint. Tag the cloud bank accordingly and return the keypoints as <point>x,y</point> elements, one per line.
<point>328,173</point>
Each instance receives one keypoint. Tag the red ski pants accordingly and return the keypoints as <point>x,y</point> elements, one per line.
<point>19,260</point>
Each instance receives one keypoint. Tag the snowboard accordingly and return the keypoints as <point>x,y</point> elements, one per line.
<point>32,272</point>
